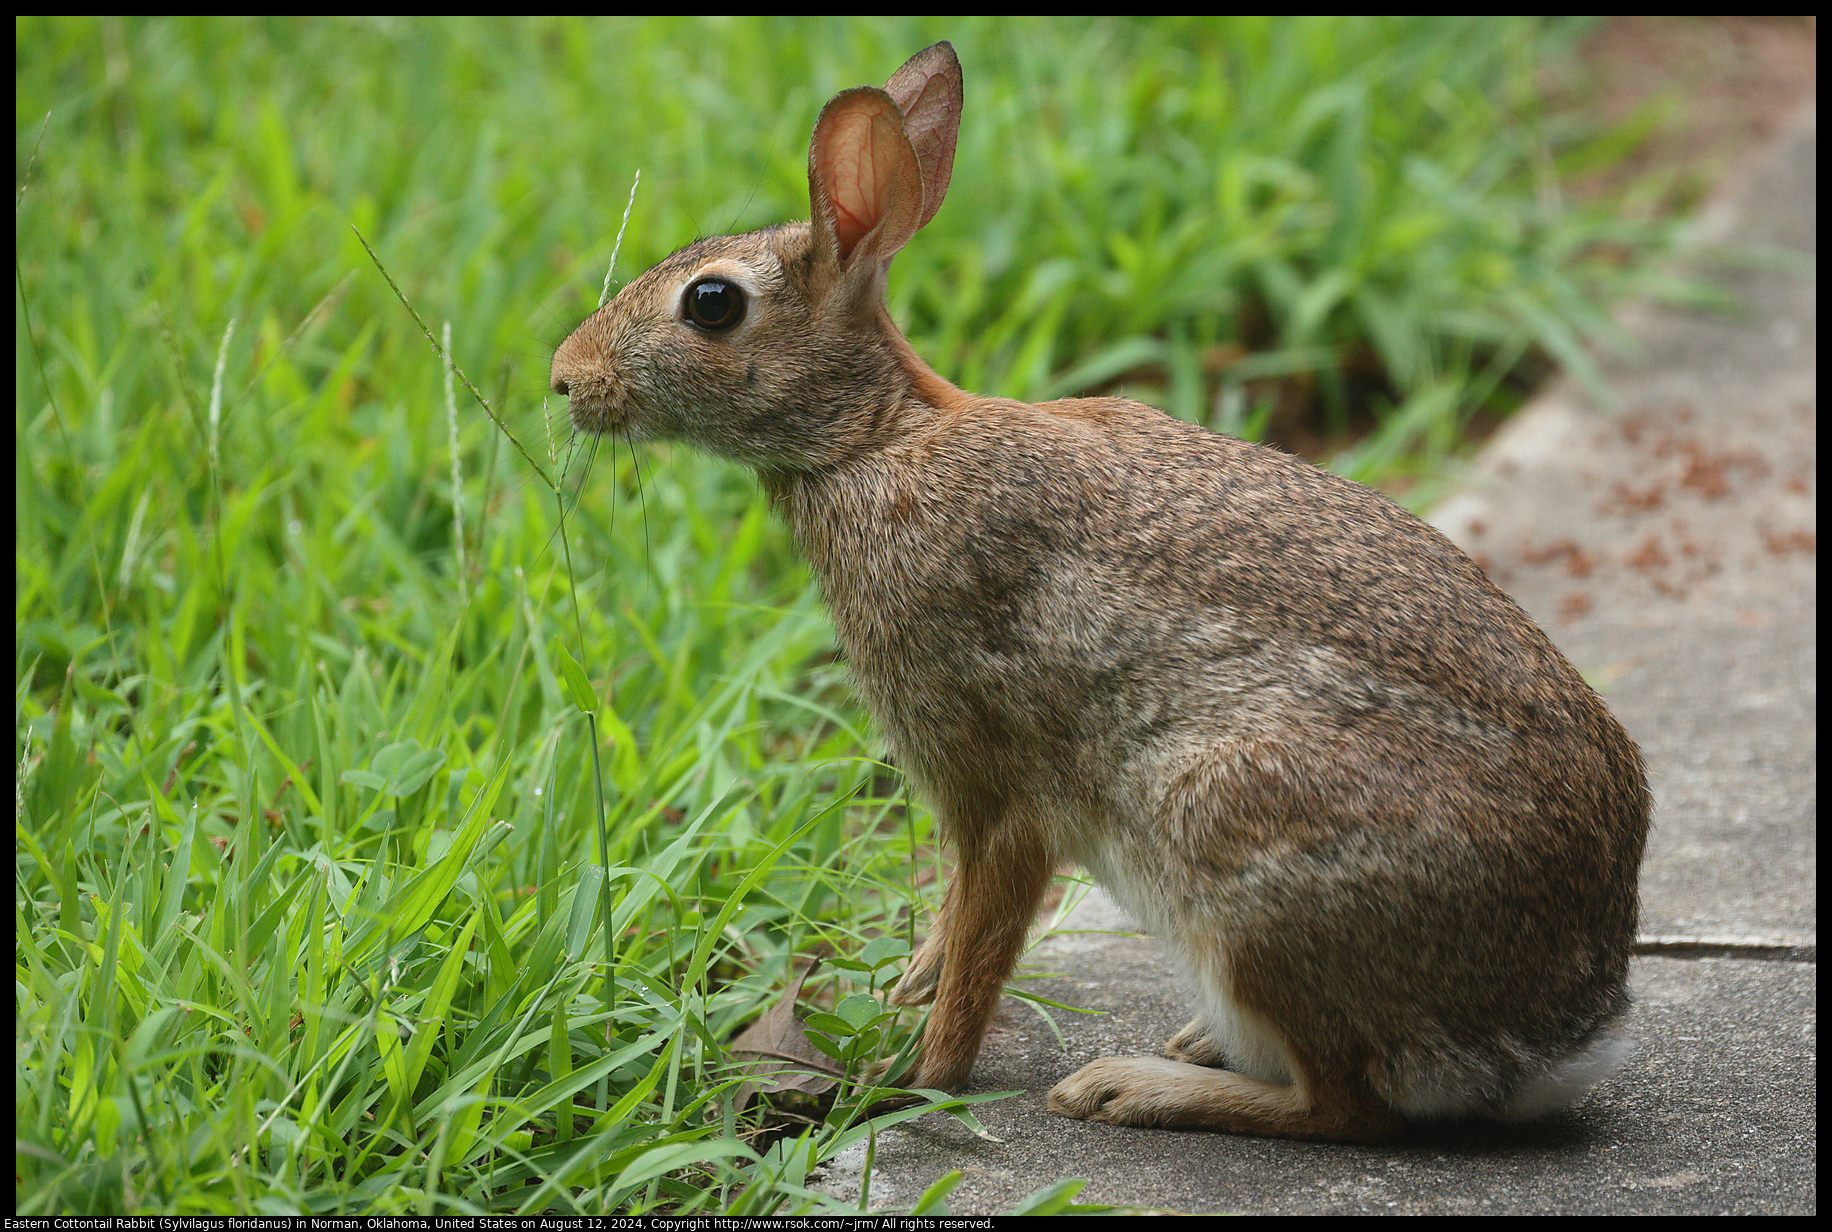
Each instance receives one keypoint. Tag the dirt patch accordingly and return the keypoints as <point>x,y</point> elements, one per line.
<point>1720,88</point>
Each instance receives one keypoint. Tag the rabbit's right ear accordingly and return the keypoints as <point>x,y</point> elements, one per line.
<point>928,91</point>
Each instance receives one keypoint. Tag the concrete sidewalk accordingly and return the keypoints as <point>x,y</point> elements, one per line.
<point>1667,544</point>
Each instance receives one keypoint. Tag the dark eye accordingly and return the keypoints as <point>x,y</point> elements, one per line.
<point>714,304</point>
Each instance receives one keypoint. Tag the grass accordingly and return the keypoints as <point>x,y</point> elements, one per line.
<point>400,831</point>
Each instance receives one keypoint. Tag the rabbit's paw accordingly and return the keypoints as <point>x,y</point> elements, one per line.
<point>878,1073</point>
<point>893,1102</point>
<point>921,978</point>
<point>1195,1045</point>
<point>1129,1091</point>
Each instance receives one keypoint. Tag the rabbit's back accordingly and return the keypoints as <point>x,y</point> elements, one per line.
<point>1096,570</point>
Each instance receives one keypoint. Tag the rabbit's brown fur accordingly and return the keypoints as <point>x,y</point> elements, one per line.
<point>1387,831</point>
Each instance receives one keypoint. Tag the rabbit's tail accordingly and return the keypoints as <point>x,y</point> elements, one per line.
<point>1568,1079</point>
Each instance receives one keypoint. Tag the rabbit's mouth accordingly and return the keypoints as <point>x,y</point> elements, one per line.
<point>597,415</point>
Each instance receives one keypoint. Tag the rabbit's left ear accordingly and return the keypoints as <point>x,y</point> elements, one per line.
<point>927,89</point>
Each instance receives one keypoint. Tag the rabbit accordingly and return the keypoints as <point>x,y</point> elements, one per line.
<point>1384,829</point>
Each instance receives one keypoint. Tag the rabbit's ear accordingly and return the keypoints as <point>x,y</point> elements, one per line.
<point>864,190</point>
<point>927,89</point>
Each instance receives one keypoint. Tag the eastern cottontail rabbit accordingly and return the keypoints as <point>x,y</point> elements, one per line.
<point>1385,828</point>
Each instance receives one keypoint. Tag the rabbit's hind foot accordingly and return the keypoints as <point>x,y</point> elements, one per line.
<point>1164,1094</point>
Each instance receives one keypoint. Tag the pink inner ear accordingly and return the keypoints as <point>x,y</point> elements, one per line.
<point>858,181</point>
<point>870,175</point>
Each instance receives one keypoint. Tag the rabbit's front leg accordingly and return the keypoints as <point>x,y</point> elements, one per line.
<point>998,883</point>
<point>920,978</point>
<point>1196,1045</point>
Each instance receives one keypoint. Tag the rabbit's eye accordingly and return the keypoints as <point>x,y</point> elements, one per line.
<point>713,303</point>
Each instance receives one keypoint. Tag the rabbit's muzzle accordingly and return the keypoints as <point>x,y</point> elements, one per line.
<point>596,395</point>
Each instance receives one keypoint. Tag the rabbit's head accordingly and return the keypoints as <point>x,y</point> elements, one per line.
<point>774,348</point>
